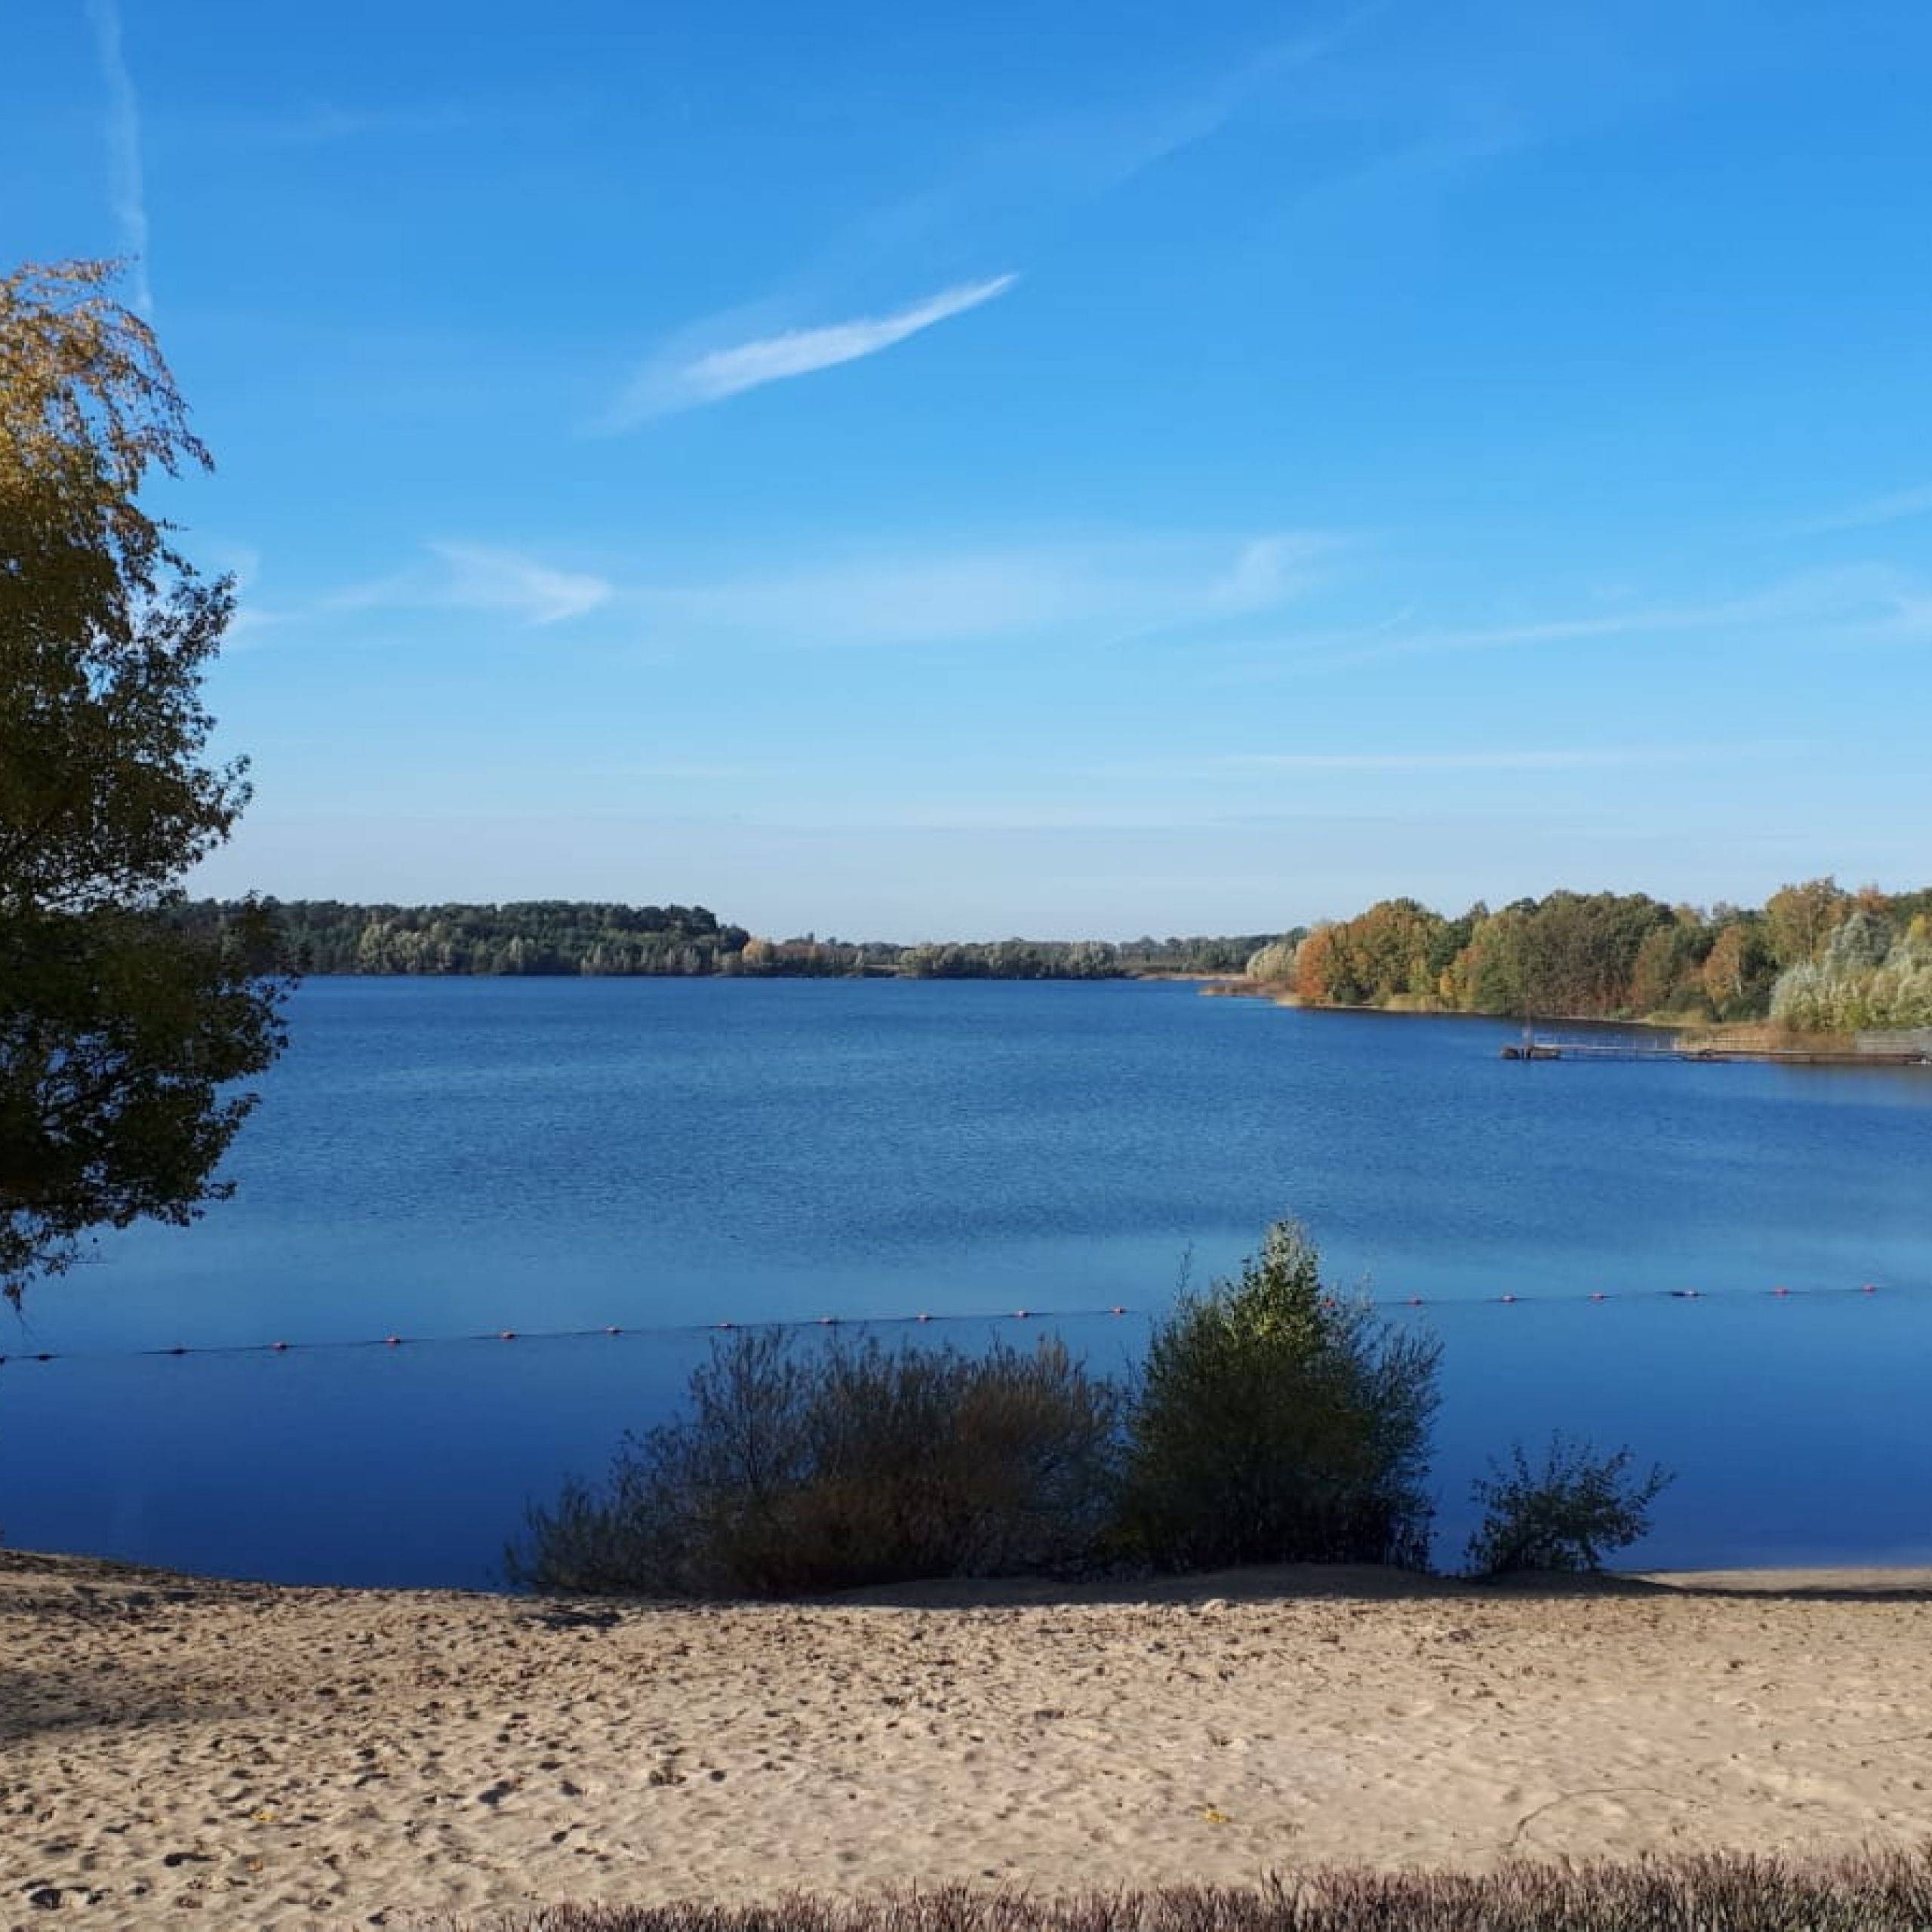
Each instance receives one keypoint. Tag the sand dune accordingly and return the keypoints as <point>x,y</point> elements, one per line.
<point>281,1757</point>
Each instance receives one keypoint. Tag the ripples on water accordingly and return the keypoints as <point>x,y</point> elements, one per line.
<point>446,1157</point>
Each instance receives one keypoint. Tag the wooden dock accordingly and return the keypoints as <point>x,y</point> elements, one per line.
<point>1619,1050</point>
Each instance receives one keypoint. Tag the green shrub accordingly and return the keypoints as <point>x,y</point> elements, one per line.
<point>796,1472</point>
<point>1566,1515</point>
<point>1278,1422</point>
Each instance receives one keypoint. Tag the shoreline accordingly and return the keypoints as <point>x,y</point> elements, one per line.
<point>1256,1582</point>
<point>1377,1582</point>
<point>292,1753</point>
<point>1714,1040</point>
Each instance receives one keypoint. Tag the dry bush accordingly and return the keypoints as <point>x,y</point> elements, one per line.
<point>1567,1514</point>
<point>797,1471</point>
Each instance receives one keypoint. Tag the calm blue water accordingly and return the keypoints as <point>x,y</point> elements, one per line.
<point>448,1157</point>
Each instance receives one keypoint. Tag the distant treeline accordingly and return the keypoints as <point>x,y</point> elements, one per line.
<point>1814,957</point>
<point>578,938</point>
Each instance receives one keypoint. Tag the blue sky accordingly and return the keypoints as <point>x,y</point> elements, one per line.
<point>903,472</point>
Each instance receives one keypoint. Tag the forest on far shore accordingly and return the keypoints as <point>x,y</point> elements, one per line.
<point>594,938</point>
<point>1815,957</point>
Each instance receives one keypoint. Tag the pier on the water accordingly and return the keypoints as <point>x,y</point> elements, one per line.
<point>1892,1052</point>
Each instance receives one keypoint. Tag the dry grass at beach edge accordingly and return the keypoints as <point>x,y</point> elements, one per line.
<point>1866,1891</point>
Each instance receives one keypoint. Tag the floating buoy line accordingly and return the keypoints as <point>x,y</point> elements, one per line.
<point>397,1340</point>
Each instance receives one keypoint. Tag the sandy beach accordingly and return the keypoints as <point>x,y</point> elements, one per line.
<point>282,1757</point>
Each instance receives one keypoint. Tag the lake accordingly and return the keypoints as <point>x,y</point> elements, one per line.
<point>443,1161</point>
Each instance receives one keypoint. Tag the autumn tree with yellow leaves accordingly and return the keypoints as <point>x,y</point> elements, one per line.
<point>121,1036</point>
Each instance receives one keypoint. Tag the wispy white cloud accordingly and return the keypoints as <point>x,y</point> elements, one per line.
<point>1892,508</point>
<point>1910,621</point>
<point>474,577</point>
<point>1862,603</point>
<point>243,563</point>
<point>481,579</point>
<point>323,125</point>
<point>1088,591</point>
<point>1542,758</point>
<point>663,386</point>
<point>1009,191</point>
<point>274,125</point>
<point>1080,593</point>
<point>124,147</point>
<point>1268,571</point>
<point>1202,774</point>
<point>1003,197</point>
<point>249,625</point>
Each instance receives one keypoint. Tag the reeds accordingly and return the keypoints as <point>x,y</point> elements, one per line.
<point>1868,1891</point>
